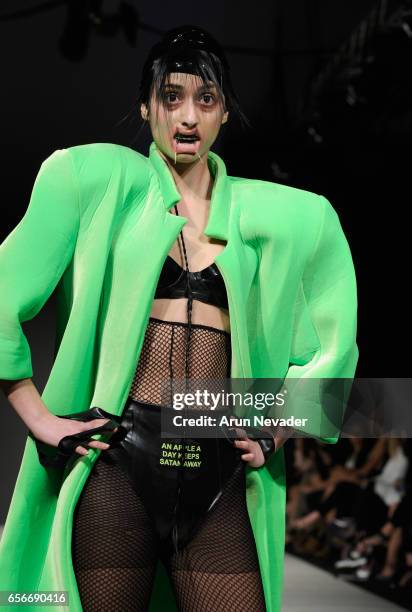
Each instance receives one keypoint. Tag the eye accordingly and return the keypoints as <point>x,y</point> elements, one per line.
<point>210,96</point>
<point>170,93</point>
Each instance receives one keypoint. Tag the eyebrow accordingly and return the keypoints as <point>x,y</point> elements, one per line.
<point>181,87</point>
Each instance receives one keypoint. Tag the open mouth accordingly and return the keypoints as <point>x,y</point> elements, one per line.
<point>189,138</point>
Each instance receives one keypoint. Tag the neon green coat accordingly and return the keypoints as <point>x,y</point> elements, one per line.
<point>98,228</point>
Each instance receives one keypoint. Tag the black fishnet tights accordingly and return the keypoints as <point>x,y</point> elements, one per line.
<point>115,550</point>
<point>162,358</point>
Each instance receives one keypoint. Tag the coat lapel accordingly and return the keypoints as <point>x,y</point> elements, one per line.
<point>237,262</point>
<point>220,204</point>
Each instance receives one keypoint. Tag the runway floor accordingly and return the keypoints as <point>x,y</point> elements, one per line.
<point>309,588</point>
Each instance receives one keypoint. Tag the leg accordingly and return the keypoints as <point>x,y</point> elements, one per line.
<point>114,548</point>
<point>392,554</point>
<point>219,569</point>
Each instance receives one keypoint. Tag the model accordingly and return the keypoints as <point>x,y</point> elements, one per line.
<point>165,268</point>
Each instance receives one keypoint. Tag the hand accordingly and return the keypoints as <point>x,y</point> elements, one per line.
<point>253,453</point>
<point>50,429</point>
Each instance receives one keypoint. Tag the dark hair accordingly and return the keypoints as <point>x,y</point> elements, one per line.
<point>189,49</point>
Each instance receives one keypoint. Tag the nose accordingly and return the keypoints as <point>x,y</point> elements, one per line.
<point>189,115</point>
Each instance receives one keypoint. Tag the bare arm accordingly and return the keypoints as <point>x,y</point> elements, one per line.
<point>374,458</point>
<point>24,397</point>
<point>26,401</point>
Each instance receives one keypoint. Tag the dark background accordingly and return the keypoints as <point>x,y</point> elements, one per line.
<point>324,84</point>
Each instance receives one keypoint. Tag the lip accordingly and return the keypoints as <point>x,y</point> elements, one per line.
<point>186,147</point>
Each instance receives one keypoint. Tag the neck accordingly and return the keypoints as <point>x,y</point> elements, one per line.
<point>193,181</point>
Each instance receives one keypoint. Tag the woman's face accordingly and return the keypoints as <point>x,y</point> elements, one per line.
<point>186,107</point>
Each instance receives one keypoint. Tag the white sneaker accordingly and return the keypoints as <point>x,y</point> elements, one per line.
<point>350,563</point>
<point>355,554</point>
<point>363,573</point>
<point>341,523</point>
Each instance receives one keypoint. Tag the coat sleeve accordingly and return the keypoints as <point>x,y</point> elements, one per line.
<point>318,385</point>
<point>34,256</point>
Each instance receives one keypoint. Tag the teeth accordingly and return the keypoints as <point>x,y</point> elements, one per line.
<point>183,138</point>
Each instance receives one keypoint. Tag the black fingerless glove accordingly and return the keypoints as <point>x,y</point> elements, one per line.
<point>268,446</point>
<point>58,457</point>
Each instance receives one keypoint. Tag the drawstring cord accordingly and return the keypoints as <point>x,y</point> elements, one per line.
<point>187,348</point>
<point>189,295</point>
<point>189,312</point>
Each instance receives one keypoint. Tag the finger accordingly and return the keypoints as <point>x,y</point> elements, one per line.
<point>247,456</point>
<point>242,443</point>
<point>98,444</point>
<point>95,423</point>
<point>92,424</point>
<point>81,450</point>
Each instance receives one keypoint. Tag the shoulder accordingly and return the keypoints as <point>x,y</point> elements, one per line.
<point>267,201</point>
<point>107,157</point>
<point>270,194</point>
<point>102,164</point>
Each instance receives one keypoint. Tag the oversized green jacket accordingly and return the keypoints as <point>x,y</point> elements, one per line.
<point>98,229</point>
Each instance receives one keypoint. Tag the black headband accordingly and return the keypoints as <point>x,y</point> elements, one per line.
<point>179,49</point>
<point>184,60</point>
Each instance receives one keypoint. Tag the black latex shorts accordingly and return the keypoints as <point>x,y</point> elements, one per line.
<point>176,490</point>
